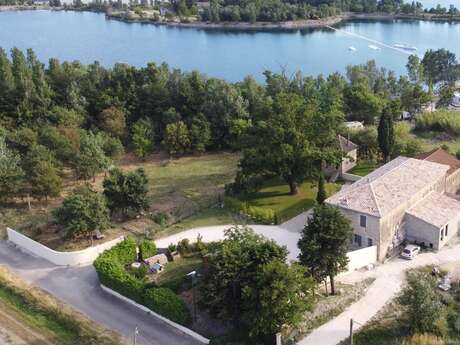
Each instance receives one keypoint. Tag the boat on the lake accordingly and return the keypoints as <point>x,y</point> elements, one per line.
<point>353,49</point>
<point>405,46</point>
<point>373,47</point>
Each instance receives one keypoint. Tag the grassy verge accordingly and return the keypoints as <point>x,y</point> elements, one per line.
<point>174,274</point>
<point>43,313</point>
<point>363,169</point>
<point>275,195</point>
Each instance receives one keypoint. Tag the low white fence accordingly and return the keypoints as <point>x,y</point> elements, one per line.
<point>361,258</point>
<point>77,258</point>
<point>351,177</point>
<point>181,328</point>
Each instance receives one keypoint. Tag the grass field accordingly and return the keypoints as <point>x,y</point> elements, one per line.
<point>363,168</point>
<point>275,195</point>
<point>46,318</point>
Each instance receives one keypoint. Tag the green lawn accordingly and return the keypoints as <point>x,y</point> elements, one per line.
<point>363,169</point>
<point>275,195</point>
<point>174,274</point>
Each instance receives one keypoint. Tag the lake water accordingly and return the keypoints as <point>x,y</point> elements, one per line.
<point>226,54</point>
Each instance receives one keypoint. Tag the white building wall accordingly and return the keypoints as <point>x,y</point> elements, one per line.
<point>361,258</point>
<point>77,258</point>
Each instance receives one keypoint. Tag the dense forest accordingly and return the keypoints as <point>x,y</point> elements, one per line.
<point>67,115</point>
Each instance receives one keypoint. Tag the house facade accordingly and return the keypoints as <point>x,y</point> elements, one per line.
<point>404,200</point>
<point>350,156</point>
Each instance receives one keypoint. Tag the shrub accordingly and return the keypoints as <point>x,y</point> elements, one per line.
<point>160,218</point>
<point>165,302</point>
<point>172,247</point>
<point>441,120</point>
<point>183,246</point>
<point>259,214</point>
<point>423,339</point>
<point>147,249</point>
<point>141,272</point>
<point>123,253</point>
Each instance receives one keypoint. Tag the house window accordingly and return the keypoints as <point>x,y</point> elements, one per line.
<point>442,234</point>
<point>446,230</point>
<point>358,240</point>
<point>362,221</point>
<point>370,243</point>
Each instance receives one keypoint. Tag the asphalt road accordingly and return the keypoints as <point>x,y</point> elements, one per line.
<point>79,287</point>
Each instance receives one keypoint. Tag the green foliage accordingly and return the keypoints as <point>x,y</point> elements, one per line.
<point>160,218</point>
<point>324,243</point>
<point>11,173</point>
<point>423,339</point>
<point>113,121</point>
<point>321,195</point>
<point>142,138</point>
<point>259,214</point>
<point>177,139</point>
<point>425,311</point>
<point>242,280</point>
<point>165,302</point>
<point>147,249</point>
<point>83,212</point>
<point>440,120</point>
<point>92,159</point>
<point>110,267</point>
<point>440,66</point>
<point>386,135</point>
<point>126,191</point>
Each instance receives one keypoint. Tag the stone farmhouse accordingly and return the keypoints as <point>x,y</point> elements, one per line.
<point>407,199</point>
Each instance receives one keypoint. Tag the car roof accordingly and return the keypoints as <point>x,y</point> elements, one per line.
<point>410,246</point>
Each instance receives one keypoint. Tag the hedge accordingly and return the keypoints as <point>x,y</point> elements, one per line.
<point>147,249</point>
<point>165,302</point>
<point>259,214</point>
<point>110,267</point>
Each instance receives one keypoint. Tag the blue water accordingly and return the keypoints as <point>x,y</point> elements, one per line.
<point>226,54</point>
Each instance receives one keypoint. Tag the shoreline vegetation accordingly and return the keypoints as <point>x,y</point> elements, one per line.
<point>129,16</point>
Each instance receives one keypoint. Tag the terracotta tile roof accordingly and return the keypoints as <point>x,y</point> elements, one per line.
<point>436,209</point>
<point>346,145</point>
<point>442,157</point>
<point>386,188</point>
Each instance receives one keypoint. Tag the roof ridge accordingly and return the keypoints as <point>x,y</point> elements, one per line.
<point>406,159</point>
<point>375,199</point>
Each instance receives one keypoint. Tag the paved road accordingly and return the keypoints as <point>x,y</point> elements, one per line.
<point>389,280</point>
<point>79,287</point>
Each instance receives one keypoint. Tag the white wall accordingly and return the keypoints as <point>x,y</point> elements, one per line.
<point>361,258</point>
<point>81,257</point>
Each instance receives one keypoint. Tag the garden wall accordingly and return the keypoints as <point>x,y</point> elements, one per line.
<point>361,258</point>
<point>350,177</point>
<point>77,258</point>
<point>181,328</point>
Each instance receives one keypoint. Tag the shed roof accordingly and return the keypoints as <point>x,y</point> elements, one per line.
<point>436,209</point>
<point>442,157</point>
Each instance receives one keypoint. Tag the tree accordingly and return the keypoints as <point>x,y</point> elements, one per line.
<point>92,158</point>
<point>288,144</point>
<point>415,69</point>
<point>440,66</point>
<point>82,213</point>
<point>113,121</point>
<point>386,136</point>
<point>425,310</point>
<point>362,103</point>
<point>126,191</point>
<point>176,139</point>
<point>11,173</point>
<point>200,134</point>
<point>233,267</point>
<point>142,138</point>
<point>324,243</point>
<point>322,194</point>
<point>280,295</point>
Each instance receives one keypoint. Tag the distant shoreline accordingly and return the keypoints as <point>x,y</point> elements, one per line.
<point>257,26</point>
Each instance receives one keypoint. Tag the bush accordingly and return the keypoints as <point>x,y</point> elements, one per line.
<point>441,120</point>
<point>423,339</point>
<point>141,272</point>
<point>147,249</point>
<point>259,214</point>
<point>165,302</point>
<point>160,218</point>
<point>183,246</point>
<point>172,248</point>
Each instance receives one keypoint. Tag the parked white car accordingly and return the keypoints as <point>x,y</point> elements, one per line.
<point>410,251</point>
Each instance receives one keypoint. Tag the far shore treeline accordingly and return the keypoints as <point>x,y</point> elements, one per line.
<point>83,118</point>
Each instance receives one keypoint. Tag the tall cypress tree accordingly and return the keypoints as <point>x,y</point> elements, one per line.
<point>386,134</point>
<point>322,195</point>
